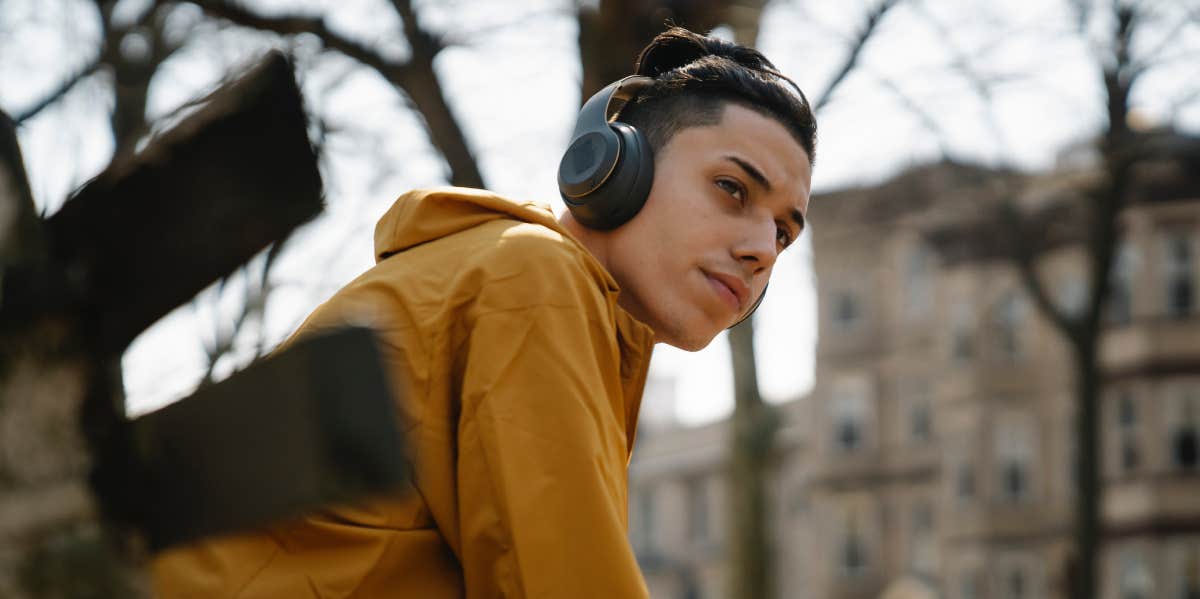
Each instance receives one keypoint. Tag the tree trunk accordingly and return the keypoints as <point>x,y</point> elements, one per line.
<point>611,38</point>
<point>751,573</point>
<point>1087,498</point>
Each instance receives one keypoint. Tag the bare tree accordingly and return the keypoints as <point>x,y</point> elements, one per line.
<point>1121,150</point>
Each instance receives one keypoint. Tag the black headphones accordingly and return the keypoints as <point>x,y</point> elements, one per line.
<point>605,174</point>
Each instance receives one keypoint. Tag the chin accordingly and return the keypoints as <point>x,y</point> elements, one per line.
<point>693,342</point>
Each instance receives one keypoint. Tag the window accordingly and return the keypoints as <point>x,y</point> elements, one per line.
<point>850,414</point>
<point>918,282</point>
<point>1013,484</point>
<point>916,416</point>
<point>846,310</point>
<point>964,481</point>
<point>1120,295</point>
<point>1189,581</point>
<point>1127,429</point>
<point>1008,315</point>
<point>1185,423</point>
<point>962,346</point>
<point>853,554</point>
<point>1015,584</point>
<point>1015,452</point>
<point>1180,285</point>
<point>920,421</point>
<point>1072,295</point>
<point>1135,581</point>
<point>924,548</point>
<point>645,520</point>
<point>697,495</point>
<point>969,586</point>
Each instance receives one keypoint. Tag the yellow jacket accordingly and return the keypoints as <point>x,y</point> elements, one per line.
<point>520,380</point>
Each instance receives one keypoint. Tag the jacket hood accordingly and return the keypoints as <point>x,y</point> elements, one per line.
<point>424,215</point>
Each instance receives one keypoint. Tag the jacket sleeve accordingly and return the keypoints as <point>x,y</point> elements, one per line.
<point>541,469</point>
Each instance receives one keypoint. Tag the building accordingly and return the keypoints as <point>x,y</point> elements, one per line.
<point>677,506</point>
<point>937,446</point>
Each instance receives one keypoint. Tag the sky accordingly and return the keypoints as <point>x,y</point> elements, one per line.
<point>515,89</point>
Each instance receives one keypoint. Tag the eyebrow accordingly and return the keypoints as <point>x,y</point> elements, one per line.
<point>798,218</point>
<point>754,173</point>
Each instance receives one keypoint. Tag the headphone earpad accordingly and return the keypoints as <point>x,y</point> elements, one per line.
<point>624,193</point>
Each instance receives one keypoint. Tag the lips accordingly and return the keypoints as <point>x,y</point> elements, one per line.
<point>733,290</point>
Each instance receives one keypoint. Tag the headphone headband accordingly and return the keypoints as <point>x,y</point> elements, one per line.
<point>607,103</point>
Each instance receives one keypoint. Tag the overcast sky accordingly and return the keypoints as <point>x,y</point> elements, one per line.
<point>515,88</point>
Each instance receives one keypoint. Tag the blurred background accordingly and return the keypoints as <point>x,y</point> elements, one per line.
<point>978,376</point>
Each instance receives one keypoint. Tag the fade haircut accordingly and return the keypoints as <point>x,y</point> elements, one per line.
<point>697,76</point>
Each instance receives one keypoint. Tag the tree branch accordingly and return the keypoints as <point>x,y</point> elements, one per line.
<point>1023,250</point>
<point>412,32</point>
<point>860,41</point>
<point>295,24</point>
<point>415,78</point>
<point>56,95</point>
<point>922,115</point>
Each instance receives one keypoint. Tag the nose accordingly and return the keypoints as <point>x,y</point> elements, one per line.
<point>756,250</point>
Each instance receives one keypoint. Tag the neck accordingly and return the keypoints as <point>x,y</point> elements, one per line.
<point>596,242</point>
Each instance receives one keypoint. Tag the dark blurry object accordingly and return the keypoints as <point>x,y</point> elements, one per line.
<point>159,225</point>
<point>270,441</point>
<point>235,175</point>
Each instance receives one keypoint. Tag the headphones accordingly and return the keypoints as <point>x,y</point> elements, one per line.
<point>604,177</point>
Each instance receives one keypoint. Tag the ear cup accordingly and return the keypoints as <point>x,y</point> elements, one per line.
<point>587,163</point>
<point>624,193</point>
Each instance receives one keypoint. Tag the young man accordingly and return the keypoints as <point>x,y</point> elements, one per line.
<point>520,342</point>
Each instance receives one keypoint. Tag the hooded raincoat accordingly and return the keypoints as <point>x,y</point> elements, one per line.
<point>518,380</point>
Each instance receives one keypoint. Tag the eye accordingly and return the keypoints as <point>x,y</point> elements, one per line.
<point>733,188</point>
<point>783,237</point>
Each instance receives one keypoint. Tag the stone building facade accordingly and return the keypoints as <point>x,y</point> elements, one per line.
<point>936,446</point>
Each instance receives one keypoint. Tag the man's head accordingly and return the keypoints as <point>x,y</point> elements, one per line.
<point>733,148</point>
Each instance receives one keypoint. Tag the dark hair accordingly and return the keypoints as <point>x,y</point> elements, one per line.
<point>697,76</point>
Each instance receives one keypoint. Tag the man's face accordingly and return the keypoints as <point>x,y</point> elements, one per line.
<point>726,200</point>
